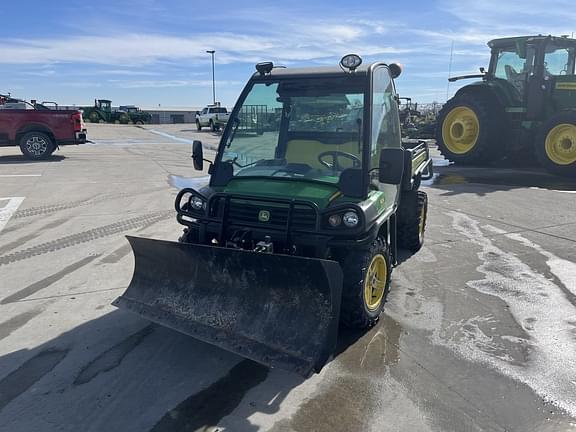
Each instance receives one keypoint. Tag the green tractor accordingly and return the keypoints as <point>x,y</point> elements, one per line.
<point>299,227</point>
<point>524,106</point>
<point>101,112</point>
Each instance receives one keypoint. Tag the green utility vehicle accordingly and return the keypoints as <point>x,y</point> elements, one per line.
<point>524,105</point>
<point>299,227</point>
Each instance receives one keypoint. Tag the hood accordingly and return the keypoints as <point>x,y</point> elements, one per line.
<point>321,194</point>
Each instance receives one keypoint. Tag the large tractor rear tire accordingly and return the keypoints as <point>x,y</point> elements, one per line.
<point>94,117</point>
<point>556,145</point>
<point>366,284</point>
<point>469,130</point>
<point>412,222</point>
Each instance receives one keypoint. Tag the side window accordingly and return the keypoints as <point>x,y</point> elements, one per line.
<point>557,61</point>
<point>509,65</point>
<point>204,111</point>
<point>385,123</point>
<point>515,67</point>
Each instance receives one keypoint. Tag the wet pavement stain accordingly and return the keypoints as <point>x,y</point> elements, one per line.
<point>46,282</point>
<point>111,358</point>
<point>350,400</point>
<point>10,326</point>
<point>28,374</point>
<point>205,409</point>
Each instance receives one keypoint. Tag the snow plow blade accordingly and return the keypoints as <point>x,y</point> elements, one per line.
<point>279,310</point>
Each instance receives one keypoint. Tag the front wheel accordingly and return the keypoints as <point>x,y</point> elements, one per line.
<point>36,145</point>
<point>556,145</point>
<point>366,284</point>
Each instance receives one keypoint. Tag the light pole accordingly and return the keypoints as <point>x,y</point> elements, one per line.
<point>213,82</point>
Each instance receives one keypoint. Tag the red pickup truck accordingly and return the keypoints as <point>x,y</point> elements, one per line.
<point>37,129</point>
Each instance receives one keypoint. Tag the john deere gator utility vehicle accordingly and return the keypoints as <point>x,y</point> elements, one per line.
<point>525,104</point>
<point>299,226</point>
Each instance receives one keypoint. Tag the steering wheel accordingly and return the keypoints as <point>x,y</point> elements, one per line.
<point>334,164</point>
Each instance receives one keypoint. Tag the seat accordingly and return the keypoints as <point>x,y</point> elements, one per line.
<point>306,151</point>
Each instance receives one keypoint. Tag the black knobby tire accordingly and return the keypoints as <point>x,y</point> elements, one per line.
<point>36,145</point>
<point>490,132</point>
<point>198,126</point>
<point>563,150</point>
<point>354,312</point>
<point>412,214</point>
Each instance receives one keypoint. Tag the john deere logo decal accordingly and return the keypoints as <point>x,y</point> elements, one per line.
<point>264,216</point>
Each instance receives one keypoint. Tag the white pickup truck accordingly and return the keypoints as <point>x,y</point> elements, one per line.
<point>215,117</point>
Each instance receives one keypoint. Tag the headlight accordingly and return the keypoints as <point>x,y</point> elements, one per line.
<point>197,203</point>
<point>335,220</point>
<point>350,219</point>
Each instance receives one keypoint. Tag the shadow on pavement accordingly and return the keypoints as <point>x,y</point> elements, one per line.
<point>481,181</point>
<point>20,159</point>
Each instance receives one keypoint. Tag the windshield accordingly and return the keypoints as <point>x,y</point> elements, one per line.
<point>300,128</point>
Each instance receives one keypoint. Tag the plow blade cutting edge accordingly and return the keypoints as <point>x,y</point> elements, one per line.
<point>279,310</point>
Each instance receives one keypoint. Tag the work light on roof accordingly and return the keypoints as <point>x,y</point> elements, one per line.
<point>351,62</point>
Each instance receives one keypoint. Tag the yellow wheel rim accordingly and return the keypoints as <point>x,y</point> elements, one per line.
<point>460,130</point>
<point>561,144</point>
<point>375,282</point>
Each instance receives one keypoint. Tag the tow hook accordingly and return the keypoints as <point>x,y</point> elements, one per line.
<point>265,246</point>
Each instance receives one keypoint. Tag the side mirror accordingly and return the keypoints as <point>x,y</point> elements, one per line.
<point>395,70</point>
<point>391,168</point>
<point>197,155</point>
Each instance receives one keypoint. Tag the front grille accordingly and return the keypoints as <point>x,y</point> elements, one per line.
<point>247,212</point>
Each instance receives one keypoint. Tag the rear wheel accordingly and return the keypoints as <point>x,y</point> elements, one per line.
<point>139,122</point>
<point>468,130</point>
<point>36,145</point>
<point>412,220</point>
<point>94,117</point>
<point>366,284</point>
<point>556,145</point>
<point>198,126</point>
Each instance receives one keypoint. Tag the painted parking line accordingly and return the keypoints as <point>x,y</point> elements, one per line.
<point>8,209</point>
<point>20,175</point>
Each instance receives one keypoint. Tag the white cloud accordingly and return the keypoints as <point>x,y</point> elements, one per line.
<point>294,41</point>
<point>130,84</point>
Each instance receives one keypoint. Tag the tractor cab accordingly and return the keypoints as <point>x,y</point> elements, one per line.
<point>529,69</point>
<point>104,105</point>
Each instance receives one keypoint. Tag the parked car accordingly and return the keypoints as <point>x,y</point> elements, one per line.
<point>213,116</point>
<point>37,130</point>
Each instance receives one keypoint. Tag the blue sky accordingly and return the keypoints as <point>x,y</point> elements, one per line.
<point>150,52</point>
